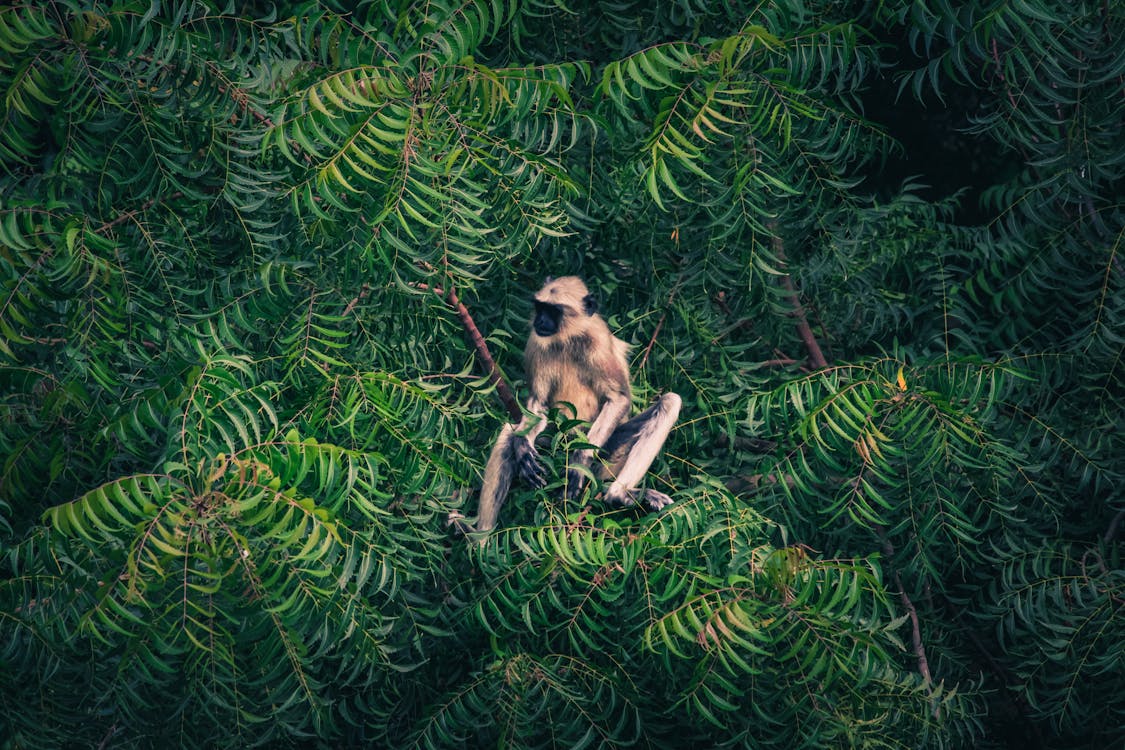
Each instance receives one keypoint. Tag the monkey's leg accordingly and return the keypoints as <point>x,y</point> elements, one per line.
<point>601,429</point>
<point>634,446</point>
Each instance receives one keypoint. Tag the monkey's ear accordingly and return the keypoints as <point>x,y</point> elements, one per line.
<point>590,304</point>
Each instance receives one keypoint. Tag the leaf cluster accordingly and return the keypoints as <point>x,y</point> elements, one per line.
<point>238,402</point>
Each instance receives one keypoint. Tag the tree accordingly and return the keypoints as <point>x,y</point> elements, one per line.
<point>254,259</point>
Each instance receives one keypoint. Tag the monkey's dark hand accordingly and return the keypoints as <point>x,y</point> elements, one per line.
<point>575,483</point>
<point>527,463</point>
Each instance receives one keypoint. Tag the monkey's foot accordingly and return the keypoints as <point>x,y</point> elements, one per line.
<point>456,523</point>
<point>654,500</point>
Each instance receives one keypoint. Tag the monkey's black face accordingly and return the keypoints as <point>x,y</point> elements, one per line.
<point>547,319</point>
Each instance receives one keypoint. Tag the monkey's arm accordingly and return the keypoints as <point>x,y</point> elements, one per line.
<point>612,414</point>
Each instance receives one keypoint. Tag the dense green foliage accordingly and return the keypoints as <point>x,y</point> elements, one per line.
<point>238,406</point>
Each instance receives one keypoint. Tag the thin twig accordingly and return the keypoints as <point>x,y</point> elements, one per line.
<point>651,341</point>
<point>126,215</point>
<point>1000,75</point>
<point>502,388</point>
<point>781,362</point>
<point>363,292</point>
<point>1006,679</point>
<point>659,325</point>
<point>108,736</point>
<point>916,632</point>
<point>1111,532</point>
<point>754,482</point>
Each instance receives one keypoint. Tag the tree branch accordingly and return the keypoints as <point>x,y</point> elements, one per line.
<point>502,388</point>
<point>915,623</point>
<point>1111,532</point>
<point>651,341</point>
<point>779,362</point>
<point>816,356</point>
<point>1006,679</point>
<point>659,326</point>
<point>126,215</point>
<point>363,291</point>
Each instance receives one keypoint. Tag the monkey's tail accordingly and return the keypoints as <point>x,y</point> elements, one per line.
<point>497,480</point>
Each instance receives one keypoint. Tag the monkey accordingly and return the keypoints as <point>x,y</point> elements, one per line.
<point>573,362</point>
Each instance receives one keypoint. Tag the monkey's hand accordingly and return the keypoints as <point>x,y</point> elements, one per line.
<point>578,473</point>
<point>527,463</point>
<point>575,483</point>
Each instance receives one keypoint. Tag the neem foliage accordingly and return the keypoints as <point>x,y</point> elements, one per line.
<point>238,401</point>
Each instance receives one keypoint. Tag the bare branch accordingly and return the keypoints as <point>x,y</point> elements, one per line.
<point>651,341</point>
<point>502,388</point>
<point>127,215</point>
<point>915,623</point>
<point>1111,532</point>
<point>816,356</point>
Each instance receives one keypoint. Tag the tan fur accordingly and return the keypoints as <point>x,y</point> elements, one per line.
<point>583,363</point>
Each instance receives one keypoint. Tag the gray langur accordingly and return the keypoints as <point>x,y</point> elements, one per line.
<point>573,362</point>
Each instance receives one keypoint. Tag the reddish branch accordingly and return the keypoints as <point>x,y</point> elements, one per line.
<point>656,331</point>
<point>915,624</point>
<point>779,362</point>
<point>816,356</point>
<point>817,361</point>
<point>1000,75</point>
<point>652,341</point>
<point>502,388</point>
<point>915,631</point>
<point>363,292</point>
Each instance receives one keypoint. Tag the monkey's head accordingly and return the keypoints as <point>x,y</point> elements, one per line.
<point>559,299</point>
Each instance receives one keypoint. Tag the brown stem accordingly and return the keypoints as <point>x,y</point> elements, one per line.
<point>659,325</point>
<point>1000,75</point>
<point>108,736</point>
<point>1111,532</point>
<point>816,356</point>
<point>915,623</point>
<point>652,341</point>
<point>754,482</point>
<point>1007,680</point>
<point>916,631</point>
<point>780,362</point>
<point>126,215</point>
<point>502,388</point>
<point>239,96</point>
<point>363,291</point>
